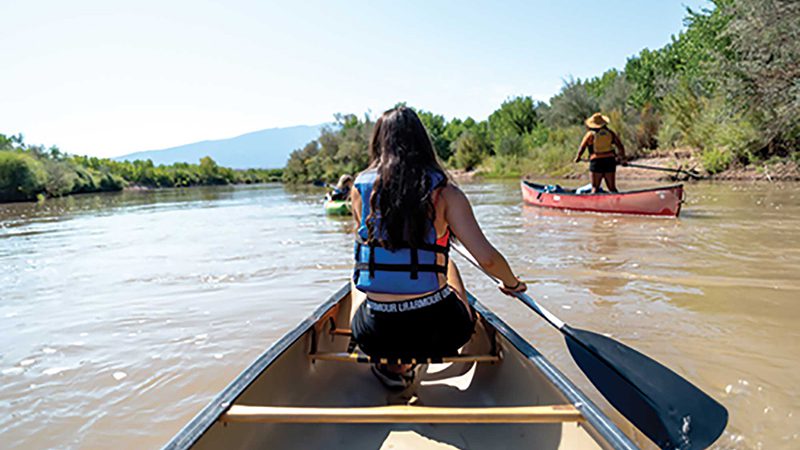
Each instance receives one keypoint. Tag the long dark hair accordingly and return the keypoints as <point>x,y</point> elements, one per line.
<point>402,154</point>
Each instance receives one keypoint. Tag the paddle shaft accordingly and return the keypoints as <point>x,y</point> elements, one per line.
<point>524,298</point>
<point>663,169</point>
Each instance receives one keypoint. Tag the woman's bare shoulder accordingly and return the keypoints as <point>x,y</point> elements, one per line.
<point>453,196</point>
<point>451,191</point>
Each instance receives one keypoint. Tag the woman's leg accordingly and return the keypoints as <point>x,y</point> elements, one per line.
<point>356,299</point>
<point>597,179</point>
<point>611,181</point>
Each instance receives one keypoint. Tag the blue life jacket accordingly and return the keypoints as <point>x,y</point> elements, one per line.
<point>404,270</point>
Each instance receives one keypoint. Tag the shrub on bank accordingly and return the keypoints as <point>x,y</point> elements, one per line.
<point>22,177</point>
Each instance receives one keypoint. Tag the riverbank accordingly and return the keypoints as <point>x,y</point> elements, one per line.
<point>675,159</point>
<point>35,173</point>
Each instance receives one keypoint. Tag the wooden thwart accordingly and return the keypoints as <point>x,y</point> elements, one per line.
<point>362,358</point>
<point>403,414</point>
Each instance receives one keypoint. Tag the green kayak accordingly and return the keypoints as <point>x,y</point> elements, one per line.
<point>337,207</point>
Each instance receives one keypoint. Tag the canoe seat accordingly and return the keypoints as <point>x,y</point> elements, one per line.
<point>357,357</point>
<point>403,414</point>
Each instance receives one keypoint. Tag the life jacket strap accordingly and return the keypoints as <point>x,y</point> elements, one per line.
<point>414,264</point>
<point>422,246</point>
<point>435,268</point>
<point>371,265</point>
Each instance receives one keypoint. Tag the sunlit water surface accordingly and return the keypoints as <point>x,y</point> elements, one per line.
<point>121,315</point>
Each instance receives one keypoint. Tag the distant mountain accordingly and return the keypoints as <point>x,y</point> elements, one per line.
<point>268,149</point>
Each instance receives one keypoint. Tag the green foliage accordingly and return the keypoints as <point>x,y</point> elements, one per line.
<point>469,150</point>
<point>763,64</point>
<point>512,145</point>
<point>33,172</point>
<point>61,178</point>
<point>572,105</point>
<point>21,176</point>
<point>516,117</point>
<point>556,154</point>
<point>647,129</point>
<point>501,166</point>
<point>598,87</point>
<point>340,149</point>
<point>436,126</point>
<point>715,159</point>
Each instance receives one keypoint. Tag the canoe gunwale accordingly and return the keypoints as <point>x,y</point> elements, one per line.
<point>211,413</point>
<point>540,188</point>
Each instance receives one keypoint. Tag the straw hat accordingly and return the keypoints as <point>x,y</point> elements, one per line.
<point>597,121</point>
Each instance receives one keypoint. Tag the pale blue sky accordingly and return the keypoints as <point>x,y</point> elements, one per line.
<point>108,77</point>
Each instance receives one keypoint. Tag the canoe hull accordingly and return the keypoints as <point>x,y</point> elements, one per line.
<point>661,201</point>
<point>285,376</point>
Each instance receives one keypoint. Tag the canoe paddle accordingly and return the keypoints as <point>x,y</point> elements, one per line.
<point>690,174</point>
<point>668,409</point>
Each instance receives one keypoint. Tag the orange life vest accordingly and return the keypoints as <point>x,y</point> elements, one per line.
<point>602,143</point>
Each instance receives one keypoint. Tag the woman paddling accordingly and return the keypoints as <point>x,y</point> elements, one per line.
<point>406,212</point>
<point>601,141</point>
<point>342,189</point>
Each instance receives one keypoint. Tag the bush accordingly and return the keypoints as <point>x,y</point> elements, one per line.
<point>510,146</point>
<point>469,150</point>
<point>61,178</point>
<point>22,177</point>
<point>572,105</point>
<point>555,156</point>
<point>715,160</point>
<point>503,166</point>
<point>648,128</point>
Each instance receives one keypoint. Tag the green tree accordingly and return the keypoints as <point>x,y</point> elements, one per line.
<point>22,176</point>
<point>572,105</point>
<point>210,173</point>
<point>516,117</point>
<point>469,150</point>
<point>763,61</point>
<point>436,125</point>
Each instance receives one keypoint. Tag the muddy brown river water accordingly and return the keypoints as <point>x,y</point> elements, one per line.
<point>121,315</point>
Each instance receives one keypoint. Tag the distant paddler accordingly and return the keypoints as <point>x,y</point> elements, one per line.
<point>342,189</point>
<point>602,143</point>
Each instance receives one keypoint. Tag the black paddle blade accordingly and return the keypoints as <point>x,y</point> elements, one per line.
<point>665,407</point>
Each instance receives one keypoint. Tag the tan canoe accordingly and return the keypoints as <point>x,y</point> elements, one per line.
<point>308,391</point>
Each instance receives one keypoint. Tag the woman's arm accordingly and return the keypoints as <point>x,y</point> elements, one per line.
<point>461,221</point>
<point>584,143</point>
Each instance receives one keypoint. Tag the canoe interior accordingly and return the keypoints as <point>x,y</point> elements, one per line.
<point>287,377</point>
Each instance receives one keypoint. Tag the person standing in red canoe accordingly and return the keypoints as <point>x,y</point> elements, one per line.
<point>601,143</point>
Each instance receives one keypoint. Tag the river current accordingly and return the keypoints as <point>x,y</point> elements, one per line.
<point>122,314</point>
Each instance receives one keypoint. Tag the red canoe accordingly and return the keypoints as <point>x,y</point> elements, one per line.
<point>660,201</point>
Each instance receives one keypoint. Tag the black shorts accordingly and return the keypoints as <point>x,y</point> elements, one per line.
<point>393,330</point>
<point>603,165</point>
